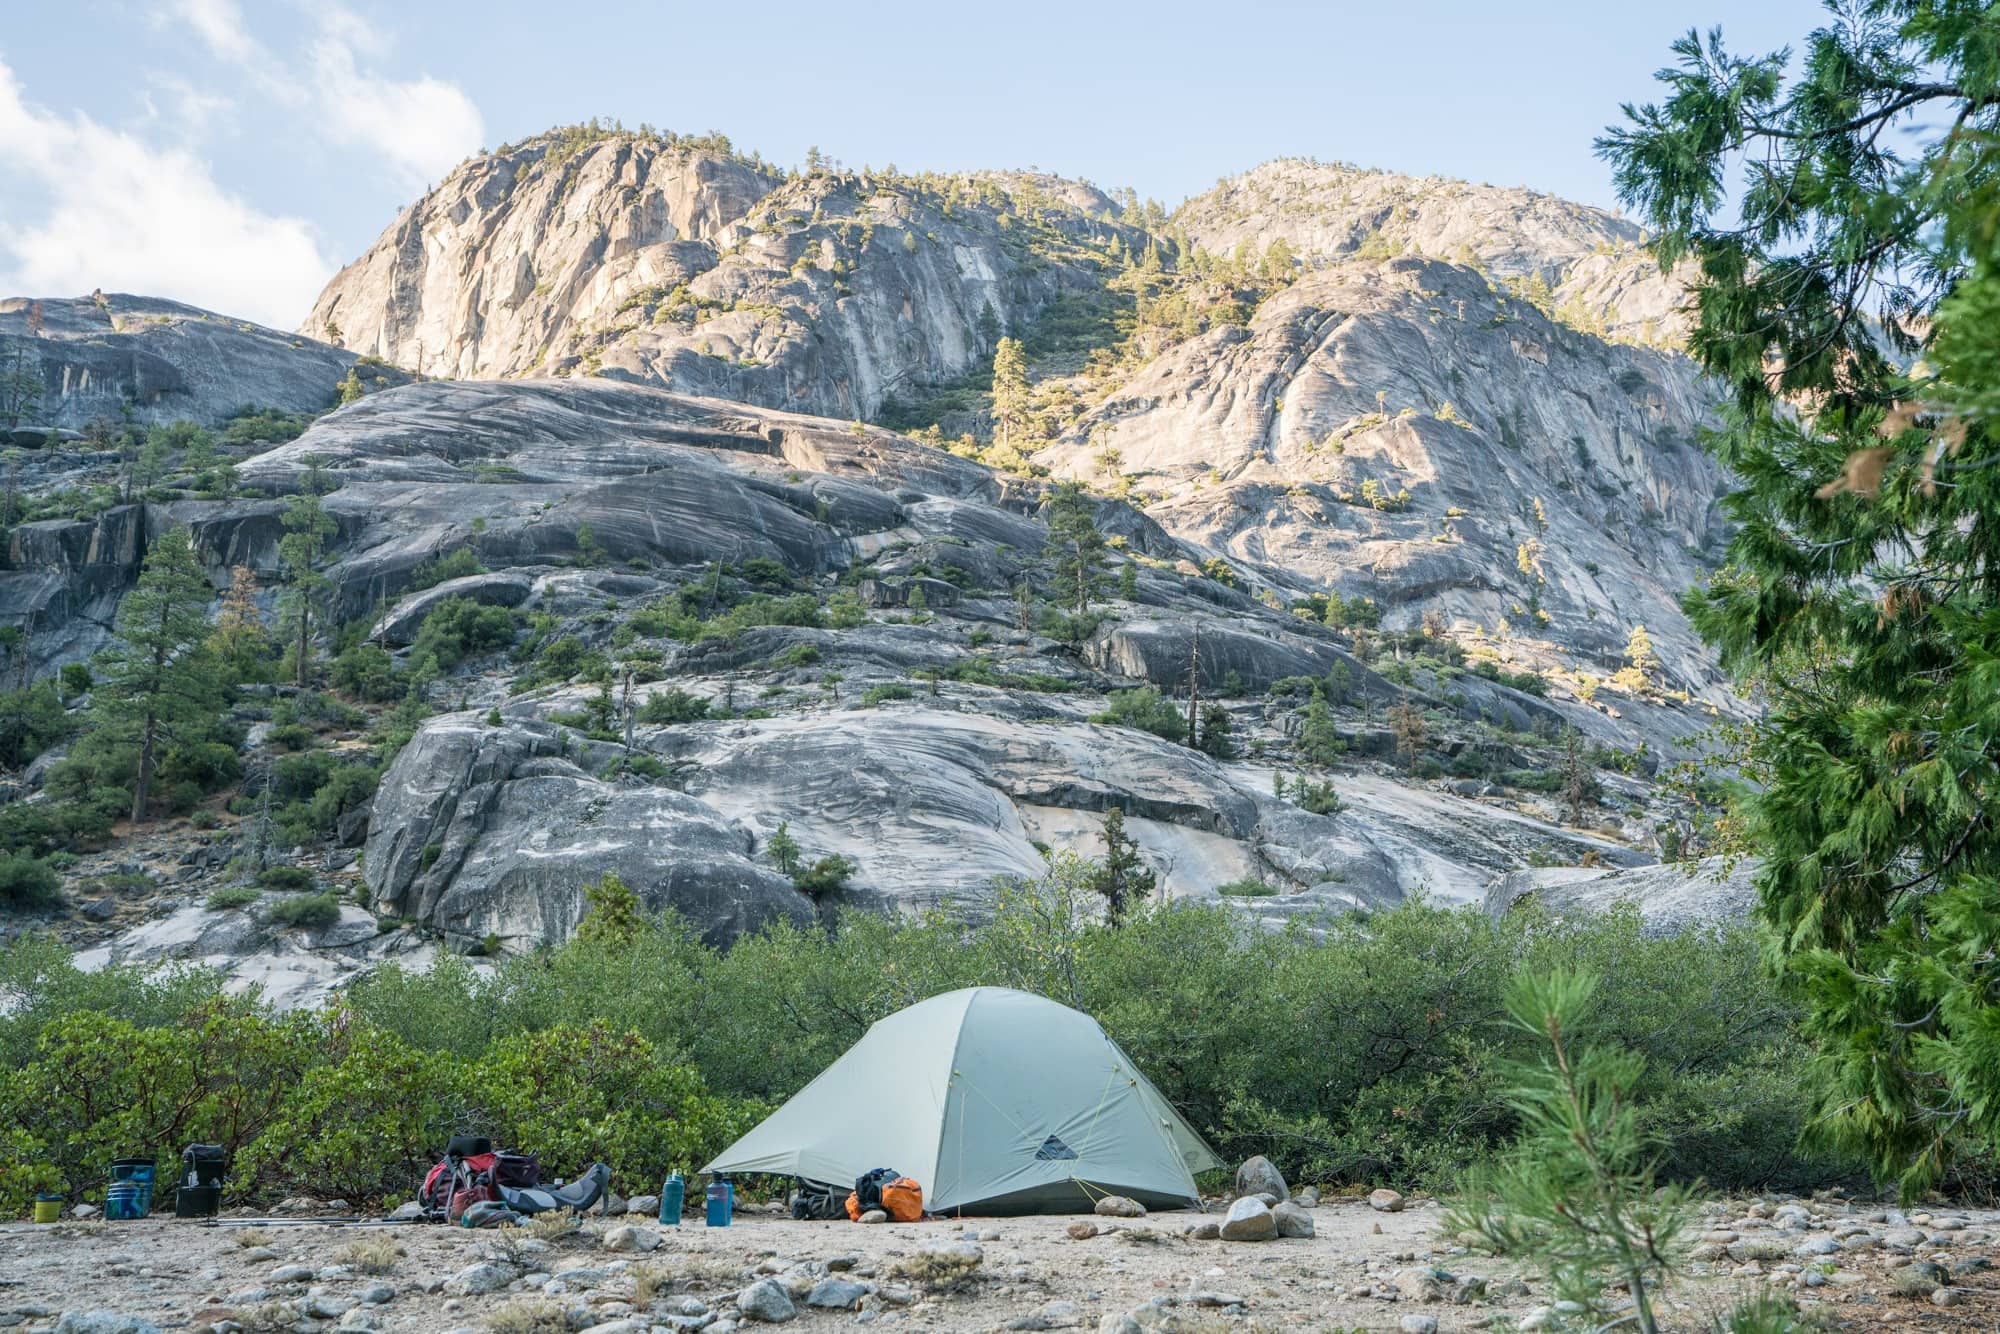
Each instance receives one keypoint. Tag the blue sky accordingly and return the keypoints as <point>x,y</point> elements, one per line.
<point>234,153</point>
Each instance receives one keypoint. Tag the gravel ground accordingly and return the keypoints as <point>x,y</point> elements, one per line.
<point>1362,1270</point>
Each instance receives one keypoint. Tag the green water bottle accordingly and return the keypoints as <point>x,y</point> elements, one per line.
<point>672,1196</point>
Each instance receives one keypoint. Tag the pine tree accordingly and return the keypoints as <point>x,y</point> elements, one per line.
<point>307,526</point>
<point>1010,391</point>
<point>1075,543</point>
<point>1216,725</point>
<point>350,389</point>
<point>1577,1194</point>
<point>612,915</point>
<point>240,645</point>
<point>1319,740</point>
<point>158,688</point>
<point>1639,652</point>
<point>1578,775</point>
<point>1122,878</point>
<point>784,850</point>
<point>1850,301</point>
<point>1406,722</point>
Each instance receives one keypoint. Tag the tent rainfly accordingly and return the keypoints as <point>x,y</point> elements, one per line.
<point>996,1101</point>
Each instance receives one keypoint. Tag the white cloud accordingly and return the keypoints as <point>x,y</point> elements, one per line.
<point>220,25</point>
<point>422,126</point>
<point>120,214</point>
<point>419,128</point>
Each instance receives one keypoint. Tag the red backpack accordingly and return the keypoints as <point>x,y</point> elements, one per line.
<point>469,1174</point>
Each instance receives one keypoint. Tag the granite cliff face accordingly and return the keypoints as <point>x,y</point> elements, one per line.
<point>1585,262</point>
<point>634,258</point>
<point>1403,431</point>
<point>109,355</point>
<point>732,606</point>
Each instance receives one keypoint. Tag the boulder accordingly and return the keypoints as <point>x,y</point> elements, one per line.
<point>836,1294</point>
<point>1120,1206</point>
<point>1385,1201</point>
<point>1249,1220</point>
<point>1292,1220</point>
<point>767,1301</point>
<point>1258,1176</point>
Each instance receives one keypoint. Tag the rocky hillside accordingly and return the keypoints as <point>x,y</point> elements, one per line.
<point>1403,431</point>
<point>1581,262</point>
<point>637,589</point>
<point>794,624</point>
<point>112,356</point>
<point>643,258</point>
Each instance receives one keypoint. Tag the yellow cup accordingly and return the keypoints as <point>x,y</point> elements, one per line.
<point>48,1211</point>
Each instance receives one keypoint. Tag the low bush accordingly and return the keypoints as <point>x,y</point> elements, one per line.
<point>1146,709</point>
<point>651,1050</point>
<point>28,882</point>
<point>310,911</point>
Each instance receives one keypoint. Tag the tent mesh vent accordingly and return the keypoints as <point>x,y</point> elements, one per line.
<point>1053,1148</point>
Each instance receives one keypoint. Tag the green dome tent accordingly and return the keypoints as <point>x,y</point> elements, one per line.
<point>996,1101</point>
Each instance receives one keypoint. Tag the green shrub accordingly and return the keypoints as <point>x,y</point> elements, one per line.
<point>285,877</point>
<point>1146,709</point>
<point>584,1095</point>
<point>459,628</point>
<point>877,694</point>
<point>672,706</point>
<point>311,911</point>
<point>231,896</point>
<point>452,565</point>
<point>31,720</point>
<point>1248,888</point>
<point>28,882</point>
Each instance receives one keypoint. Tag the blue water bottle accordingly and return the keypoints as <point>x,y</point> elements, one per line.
<point>673,1195</point>
<point>721,1203</point>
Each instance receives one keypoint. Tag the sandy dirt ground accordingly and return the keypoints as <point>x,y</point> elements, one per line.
<point>1362,1270</point>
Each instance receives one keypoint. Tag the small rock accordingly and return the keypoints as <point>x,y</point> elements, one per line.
<point>1947,1297</point>
<point>103,1322</point>
<point>1292,1220</point>
<point>1249,1220</point>
<point>1119,1206</point>
<point>291,1274</point>
<point>648,1205</point>
<point>323,1305</point>
<point>1307,1198</point>
<point>85,1211</point>
<point>1385,1201</point>
<point>1418,1324</point>
<point>378,1294</point>
<point>1206,1231</point>
<point>1903,1238</point>
<point>1758,1248</point>
<point>99,910</point>
<point>836,1294</point>
<point>480,1279</point>
<point>842,1263</point>
<point>1421,1285</point>
<point>875,1216</point>
<point>1258,1176</point>
<point>767,1301</point>
<point>1081,1231</point>
<point>409,1211</point>
<point>1060,1315</point>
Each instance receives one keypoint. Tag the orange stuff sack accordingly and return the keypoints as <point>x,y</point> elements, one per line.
<point>854,1209</point>
<point>903,1198</point>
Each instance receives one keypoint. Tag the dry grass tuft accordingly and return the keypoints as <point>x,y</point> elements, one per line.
<point>650,1281</point>
<point>938,1271</point>
<point>528,1317</point>
<point>253,1236</point>
<point>372,1255</point>
<point>553,1227</point>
